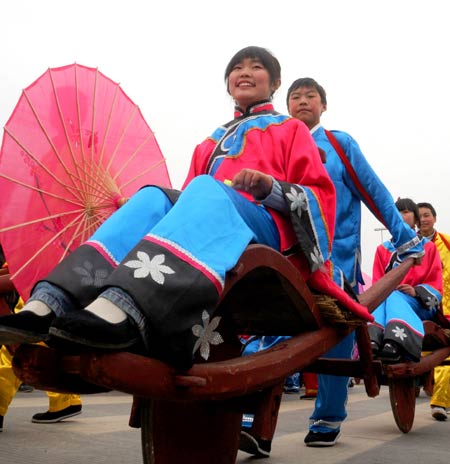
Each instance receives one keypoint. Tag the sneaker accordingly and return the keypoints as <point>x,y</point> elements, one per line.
<point>321,438</point>
<point>440,414</point>
<point>292,383</point>
<point>247,421</point>
<point>291,389</point>
<point>308,396</point>
<point>254,446</point>
<point>52,417</point>
<point>1,423</point>
<point>26,388</point>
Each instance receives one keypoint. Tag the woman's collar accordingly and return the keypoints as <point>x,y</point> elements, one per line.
<point>265,105</point>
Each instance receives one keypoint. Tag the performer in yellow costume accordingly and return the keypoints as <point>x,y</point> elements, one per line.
<point>440,400</point>
<point>61,406</point>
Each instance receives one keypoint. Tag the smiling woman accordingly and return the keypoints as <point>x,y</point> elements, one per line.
<point>398,330</point>
<point>251,78</point>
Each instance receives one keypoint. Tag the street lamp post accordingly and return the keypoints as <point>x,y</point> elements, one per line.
<point>381,230</point>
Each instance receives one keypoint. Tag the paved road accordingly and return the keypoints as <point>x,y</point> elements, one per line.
<point>101,434</point>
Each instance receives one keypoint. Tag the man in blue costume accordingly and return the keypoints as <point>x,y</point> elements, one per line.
<point>355,182</point>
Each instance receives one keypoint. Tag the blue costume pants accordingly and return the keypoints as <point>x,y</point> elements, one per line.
<point>210,223</point>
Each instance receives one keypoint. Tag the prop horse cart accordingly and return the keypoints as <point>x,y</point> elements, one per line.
<point>195,416</point>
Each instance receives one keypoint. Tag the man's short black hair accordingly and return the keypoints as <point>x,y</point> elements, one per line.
<point>429,206</point>
<point>308,82</point>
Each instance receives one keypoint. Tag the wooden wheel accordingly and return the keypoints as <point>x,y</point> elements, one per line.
<point>402,393</point>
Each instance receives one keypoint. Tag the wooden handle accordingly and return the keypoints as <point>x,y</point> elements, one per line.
<point>381,289</point>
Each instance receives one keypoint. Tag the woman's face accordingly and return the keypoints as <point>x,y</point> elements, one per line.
<point>409,218</point>
<point>249,83</point>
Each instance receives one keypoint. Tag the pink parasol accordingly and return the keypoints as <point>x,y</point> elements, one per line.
<point>74,148</point>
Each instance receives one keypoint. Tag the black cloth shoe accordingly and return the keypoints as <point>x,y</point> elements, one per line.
<point>57,416</point>
<point>375,347</point>
<point>24,327</point>
<point>391,352</point>
<point>1,423</point>
<point>322,438</point>
<point>86,329</point>
<point>254,446</point>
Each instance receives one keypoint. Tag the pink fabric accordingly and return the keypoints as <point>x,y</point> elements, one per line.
<point>74,145</point>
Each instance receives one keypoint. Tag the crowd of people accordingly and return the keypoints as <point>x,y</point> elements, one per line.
<point>282,180</point>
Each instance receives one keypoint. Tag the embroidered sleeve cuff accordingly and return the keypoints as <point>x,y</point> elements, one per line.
<point>426,297</point>
<point>411,249</point>
<point>276,199</point>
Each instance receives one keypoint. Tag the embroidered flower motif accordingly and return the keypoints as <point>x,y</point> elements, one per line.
<point>399,332</point>
<point>431,302</point>
<point>316,259</point>
<point>154,267</point>
<point>206,334</point>
<point>91,276</point>
<point>298,201</point>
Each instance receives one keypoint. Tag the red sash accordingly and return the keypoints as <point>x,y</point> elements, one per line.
<point>346,162</point>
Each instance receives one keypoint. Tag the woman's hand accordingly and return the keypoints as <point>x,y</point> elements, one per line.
<point>254,182</point>
<point>408,289</point>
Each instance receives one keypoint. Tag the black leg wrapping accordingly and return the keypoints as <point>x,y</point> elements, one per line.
<point>403,335</point>
<point>175,297</point>
<point>83,274</point>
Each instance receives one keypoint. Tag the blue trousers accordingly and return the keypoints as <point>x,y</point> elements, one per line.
<point>210,222</point>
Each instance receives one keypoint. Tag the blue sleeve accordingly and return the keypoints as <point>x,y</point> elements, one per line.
<point>368,187</point>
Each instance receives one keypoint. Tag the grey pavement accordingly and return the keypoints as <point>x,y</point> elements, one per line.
<point>101,434</point>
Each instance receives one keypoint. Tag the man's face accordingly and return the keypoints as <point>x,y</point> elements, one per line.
<point>427,221</point>
<point>305,104</point>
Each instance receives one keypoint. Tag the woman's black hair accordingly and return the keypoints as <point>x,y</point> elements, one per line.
<point>262,55</point>
<point>406,204</point>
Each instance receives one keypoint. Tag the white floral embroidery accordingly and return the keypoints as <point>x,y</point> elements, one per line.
<point>431,302</point>
<point>316,259</point>
<point>399,333</point>
<point>154,267</point>
<point>206,334</point>
<point>91,276</point>
<point>298,200</point>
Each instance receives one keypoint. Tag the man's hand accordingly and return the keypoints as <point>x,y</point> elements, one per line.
<point>408,289</point>
<point>254,182</point>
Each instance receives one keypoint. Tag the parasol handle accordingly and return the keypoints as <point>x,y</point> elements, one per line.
<point>119,200</point>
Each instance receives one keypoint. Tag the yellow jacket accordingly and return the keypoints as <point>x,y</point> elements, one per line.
<point>442,243</point>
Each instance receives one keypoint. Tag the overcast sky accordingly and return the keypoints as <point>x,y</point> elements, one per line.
<point>384,65</point>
